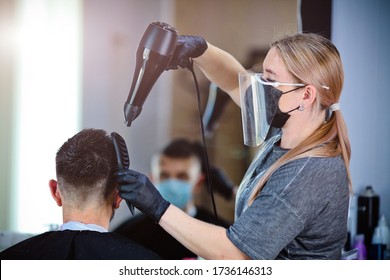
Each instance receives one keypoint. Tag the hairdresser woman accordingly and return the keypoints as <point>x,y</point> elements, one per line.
<point>293,201</point>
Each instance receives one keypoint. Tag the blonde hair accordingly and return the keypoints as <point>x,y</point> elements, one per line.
<point>314,60</point>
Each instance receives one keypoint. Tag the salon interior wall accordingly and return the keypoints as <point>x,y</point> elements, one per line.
<point>361,31</point>
<point>7,12</point>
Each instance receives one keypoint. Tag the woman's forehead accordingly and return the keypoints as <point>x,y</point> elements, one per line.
<point>274,66</point>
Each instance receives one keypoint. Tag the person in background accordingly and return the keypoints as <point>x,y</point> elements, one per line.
<point>177,173</point>
<point>293,201</point>
<point>86,190</point>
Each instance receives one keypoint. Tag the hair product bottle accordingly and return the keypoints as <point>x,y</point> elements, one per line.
<point>359,244</point>
<point>380,241</point>
<point>368,214</point>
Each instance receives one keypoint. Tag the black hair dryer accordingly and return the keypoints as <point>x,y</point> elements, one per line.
<point>153,56</point>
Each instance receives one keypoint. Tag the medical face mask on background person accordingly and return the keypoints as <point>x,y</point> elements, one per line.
<point>260,107</point>
<point>177,192</point>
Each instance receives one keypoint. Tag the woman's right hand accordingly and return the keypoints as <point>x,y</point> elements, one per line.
<point>137,190</point>
<point>187,47</point>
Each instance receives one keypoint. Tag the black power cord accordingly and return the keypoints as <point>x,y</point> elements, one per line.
<point>206,157</point>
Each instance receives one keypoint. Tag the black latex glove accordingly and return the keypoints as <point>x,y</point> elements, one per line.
<point>187,47</point>
<point>136,188</point>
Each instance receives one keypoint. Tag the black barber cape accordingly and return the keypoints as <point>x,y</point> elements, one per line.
<point>146,232</point>
<point>82,245</point>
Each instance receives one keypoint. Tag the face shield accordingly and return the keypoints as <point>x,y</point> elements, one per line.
<point>260,107</point>
<point>259,103</point>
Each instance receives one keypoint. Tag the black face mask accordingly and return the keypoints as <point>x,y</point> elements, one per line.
<point>281,118</point>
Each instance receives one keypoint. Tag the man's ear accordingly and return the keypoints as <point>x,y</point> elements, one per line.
<point>117,200</point>
<point>199,182</point>
<point>55,192</point>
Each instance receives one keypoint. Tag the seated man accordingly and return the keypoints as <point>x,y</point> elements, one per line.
<point>178,176</point>
<point>86,191</point>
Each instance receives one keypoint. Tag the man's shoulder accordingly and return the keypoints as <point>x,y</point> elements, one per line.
<point>110,245</point>
<point>24,249</point>
<point>71,244</point>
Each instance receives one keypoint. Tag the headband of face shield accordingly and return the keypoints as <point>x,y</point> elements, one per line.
<point>260,107</point>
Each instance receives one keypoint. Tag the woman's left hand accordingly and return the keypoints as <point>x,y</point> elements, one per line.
<point>137,190</point>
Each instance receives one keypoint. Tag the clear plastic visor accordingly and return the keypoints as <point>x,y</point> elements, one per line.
<point>259,102</point>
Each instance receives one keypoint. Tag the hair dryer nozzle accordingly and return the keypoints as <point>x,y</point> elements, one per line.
<point>154,54</point>
<point>131,113</point>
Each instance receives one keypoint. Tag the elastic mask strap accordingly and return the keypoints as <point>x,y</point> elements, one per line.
<point>293,89</point>
<point>292,110</point>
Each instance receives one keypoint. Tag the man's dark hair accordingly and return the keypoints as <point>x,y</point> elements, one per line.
<point>181,148</point>
<point>85,165</point>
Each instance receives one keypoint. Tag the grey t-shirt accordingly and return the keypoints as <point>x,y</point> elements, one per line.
<point>301,213</point>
